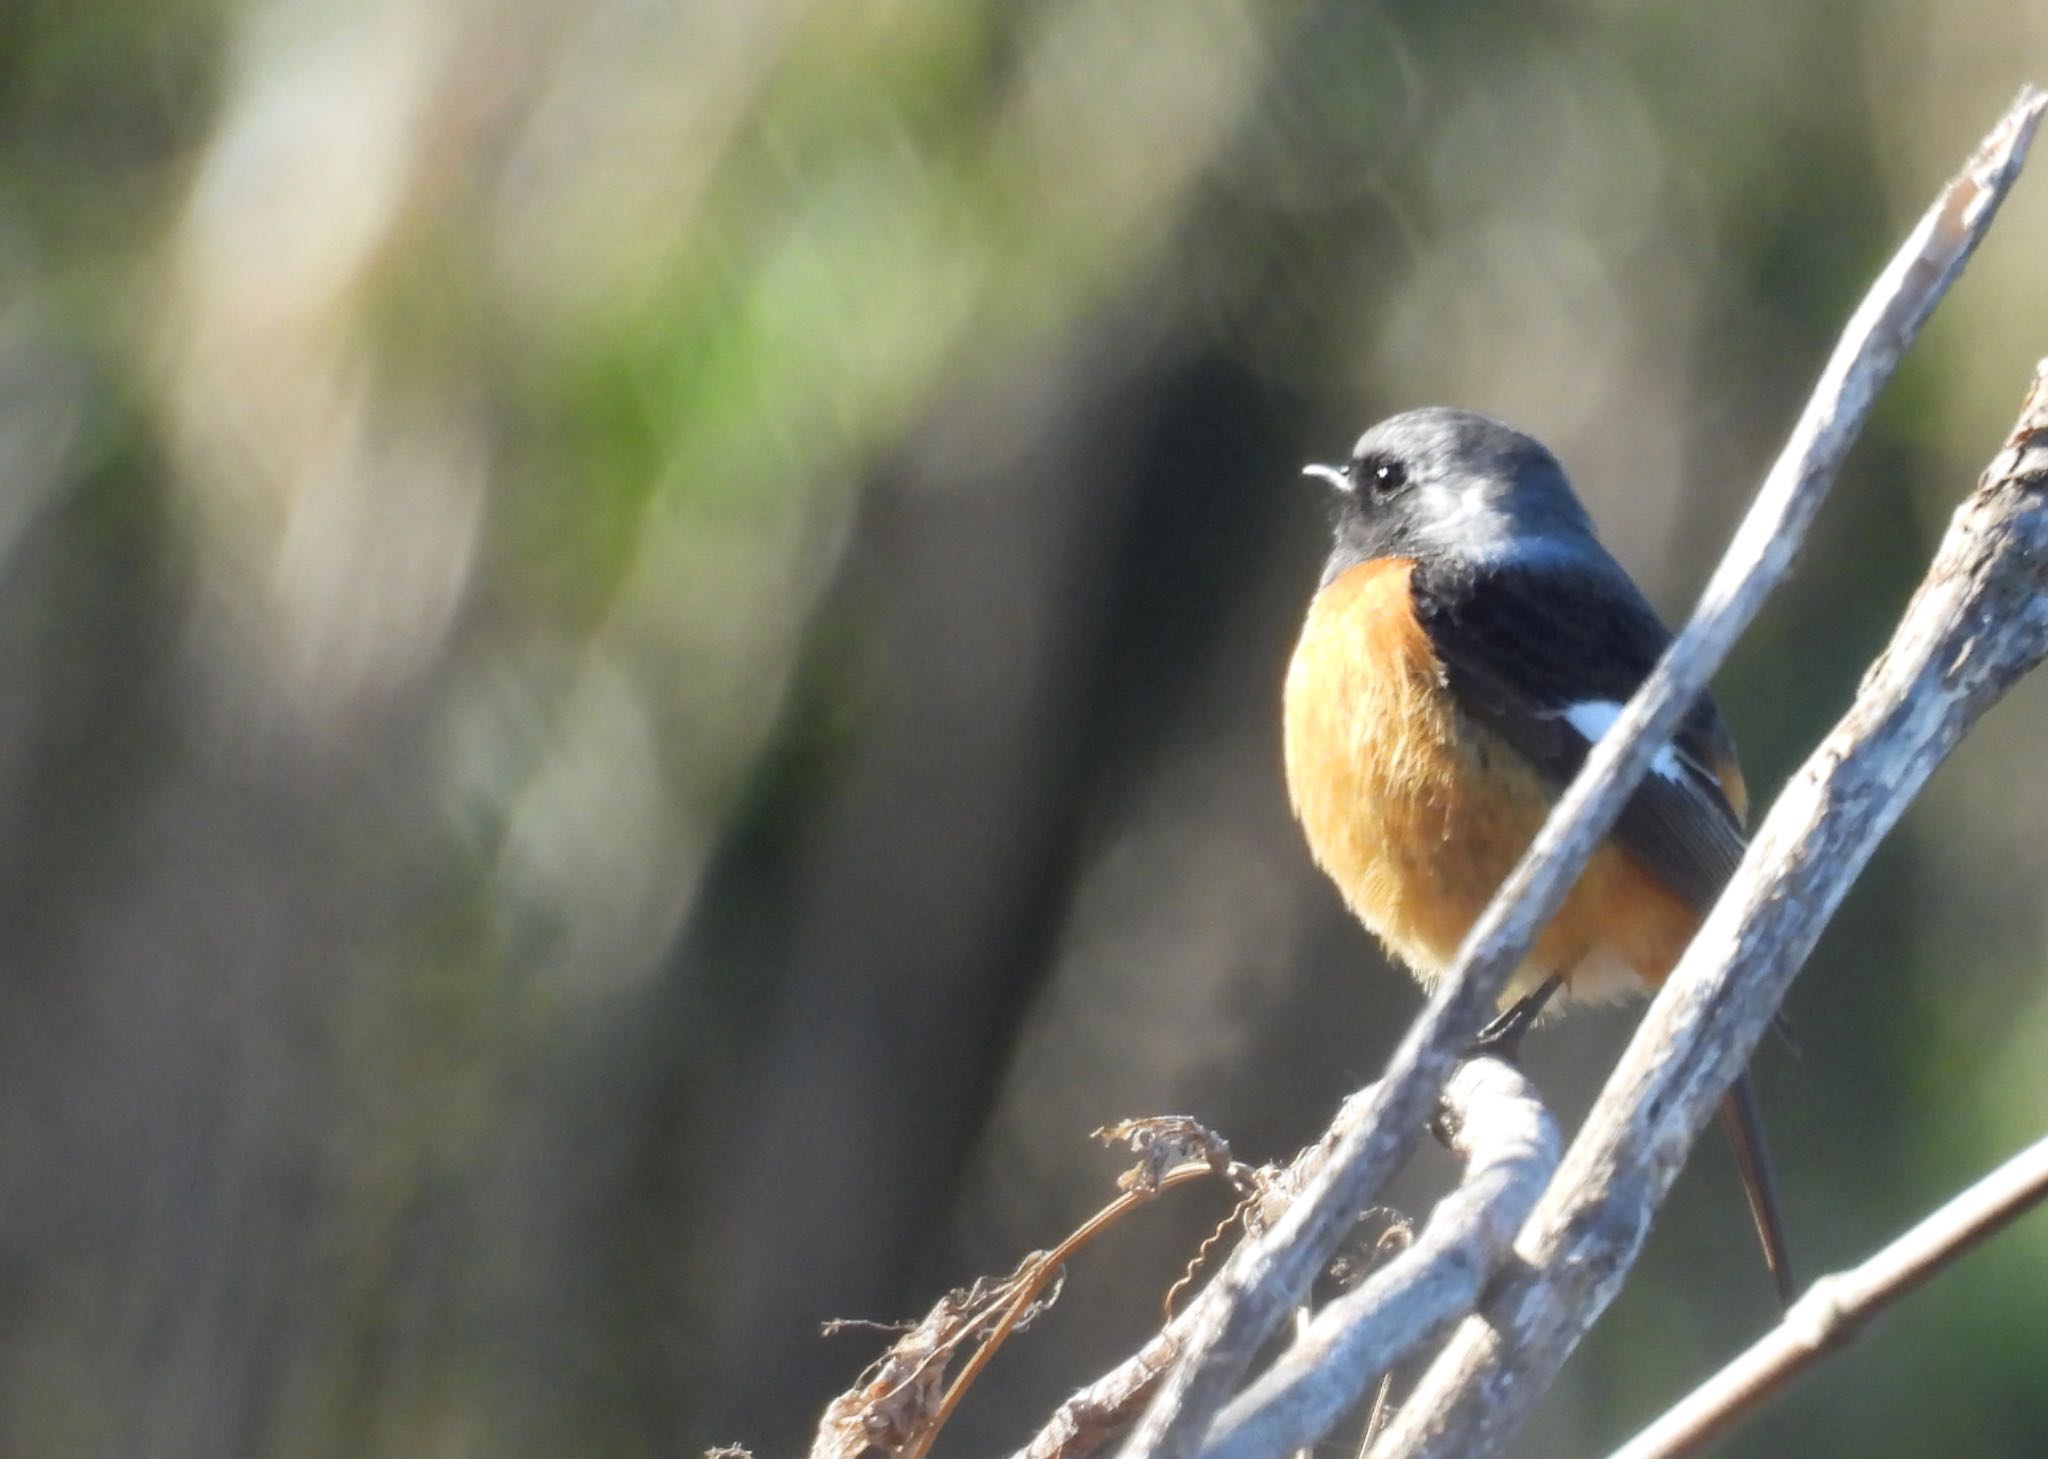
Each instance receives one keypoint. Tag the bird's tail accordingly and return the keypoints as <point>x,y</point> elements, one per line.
<point>1744,1125</point>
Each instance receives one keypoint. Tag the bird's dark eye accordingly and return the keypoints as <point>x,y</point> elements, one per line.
<point>1380,475</point>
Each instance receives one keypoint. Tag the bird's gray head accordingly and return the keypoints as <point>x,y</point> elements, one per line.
<point>1454,486</point>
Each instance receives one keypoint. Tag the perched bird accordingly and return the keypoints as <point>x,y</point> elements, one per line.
<point>1468,643</point>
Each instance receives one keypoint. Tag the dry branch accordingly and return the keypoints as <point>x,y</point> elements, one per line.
<point>1250,1298</point>
<point>1492,1116</point>
<point>1978,622</point>
<point>1510,1144</point>
<point>1095,1415</point>
<point>1835,1309</point>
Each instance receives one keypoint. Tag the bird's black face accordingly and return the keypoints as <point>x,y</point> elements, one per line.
<point>1452,485</point>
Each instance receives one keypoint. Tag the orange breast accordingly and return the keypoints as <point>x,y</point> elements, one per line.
<point>1418,814</point>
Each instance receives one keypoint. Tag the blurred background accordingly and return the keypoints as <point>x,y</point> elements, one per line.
<point>642,649</point>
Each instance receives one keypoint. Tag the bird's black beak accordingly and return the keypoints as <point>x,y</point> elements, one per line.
<point>1332,474</point>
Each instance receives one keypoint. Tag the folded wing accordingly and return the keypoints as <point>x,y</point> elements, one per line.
<point>1545,658</point>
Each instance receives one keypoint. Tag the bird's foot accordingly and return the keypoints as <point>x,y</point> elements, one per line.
<point>1502,1039</point>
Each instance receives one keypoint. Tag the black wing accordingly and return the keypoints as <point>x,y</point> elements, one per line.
<point>1526,651</point>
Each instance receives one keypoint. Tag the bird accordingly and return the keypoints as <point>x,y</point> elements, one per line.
<point>1469,641</point>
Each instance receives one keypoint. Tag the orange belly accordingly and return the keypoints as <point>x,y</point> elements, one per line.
<point>1418,814</point>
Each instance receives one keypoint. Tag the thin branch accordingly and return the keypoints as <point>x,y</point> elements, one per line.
<point>1096,1414</point>
<point>1382,1410</point>
<point>1835,1309</point>
<point>1032,1283</point>
<point>1105,1407</point>
<point>1490,1114</point>
<point>1978,621</point>
<point>903,1400</point>
<point>1255,1292</point>
<point>1511,1145</point>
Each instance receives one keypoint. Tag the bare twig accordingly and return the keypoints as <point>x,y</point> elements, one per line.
<point>1098,1413</point>
<point>1383,1400</point>
<point>1511,1147</point>
<point>1140,1186</point>
<point>1382,1410</point>
<point>1264,1281</point>
<point>1105,1407</point>
<point>903,1400</point>
<point>1503,1130</point>
<point>1978,621</point>
<point>1834,1311</point>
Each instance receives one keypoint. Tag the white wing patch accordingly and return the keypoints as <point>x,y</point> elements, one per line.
<point>1592,718</point>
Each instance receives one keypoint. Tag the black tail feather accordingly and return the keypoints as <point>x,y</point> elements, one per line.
<point>1743,1122</point>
